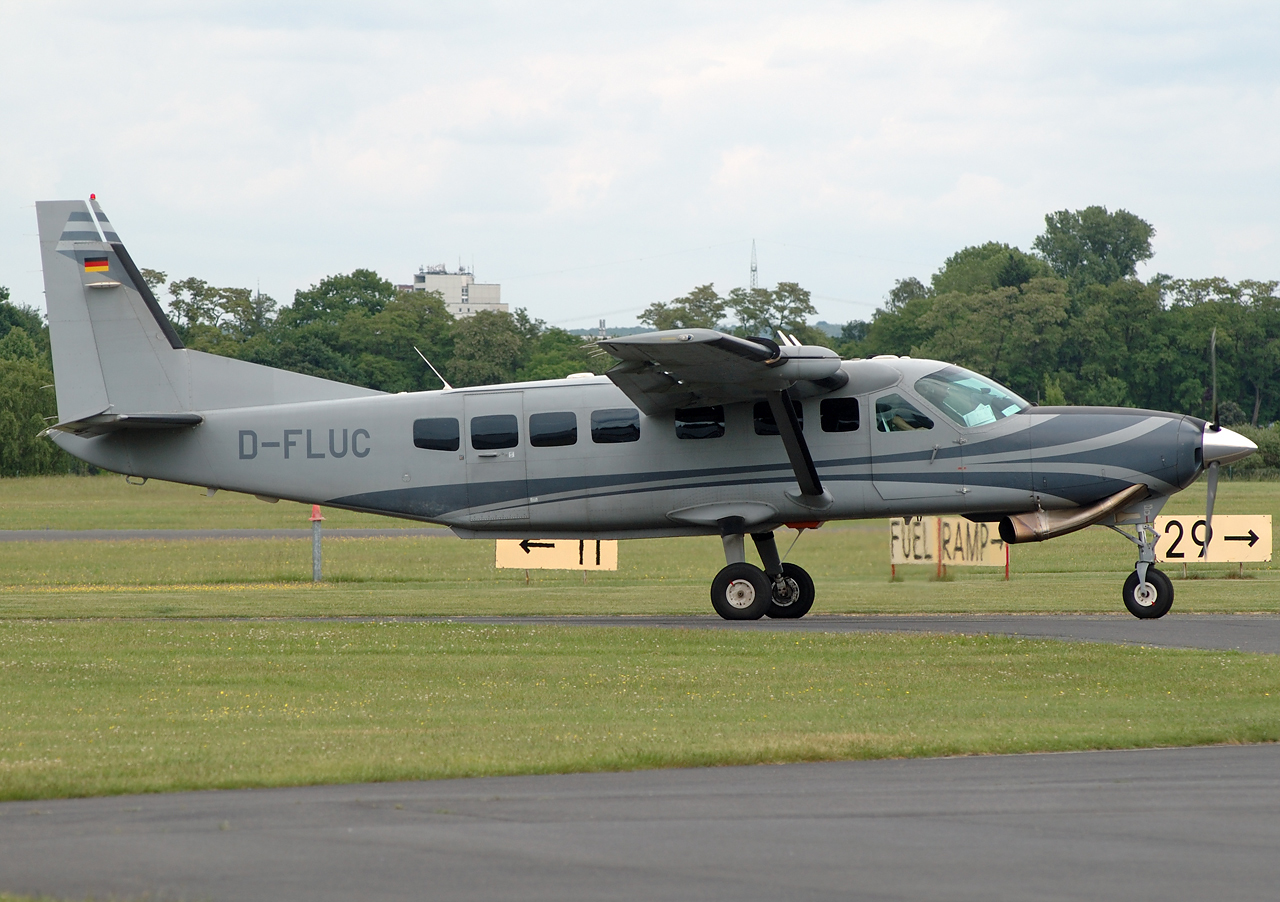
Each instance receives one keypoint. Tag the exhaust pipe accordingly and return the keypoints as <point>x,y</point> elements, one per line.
<point>1036,526</point>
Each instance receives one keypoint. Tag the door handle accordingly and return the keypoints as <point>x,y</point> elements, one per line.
<point>487,454</point>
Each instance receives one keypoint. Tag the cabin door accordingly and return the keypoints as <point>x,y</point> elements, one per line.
<point>917,457</point>
<point>497,487</point>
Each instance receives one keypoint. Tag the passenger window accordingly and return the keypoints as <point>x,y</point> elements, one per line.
<point>894,413</point>
<point>436,434</point>
<point>839,414</point>
<point>550,430</point>
<point>616,425</point>
<point>762,414</point>
<point>700,422</point>
<point>497,431</point>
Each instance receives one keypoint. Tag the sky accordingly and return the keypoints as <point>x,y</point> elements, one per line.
<point>596,158</point>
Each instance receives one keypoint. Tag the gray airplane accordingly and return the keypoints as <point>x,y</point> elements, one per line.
<point>693,432</point>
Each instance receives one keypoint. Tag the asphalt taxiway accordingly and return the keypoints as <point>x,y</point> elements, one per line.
<point>1241,632</point>
<point>1170,824</point>
<point>1167,824</point>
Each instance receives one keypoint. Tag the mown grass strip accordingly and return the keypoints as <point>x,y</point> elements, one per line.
<point>112,707</point>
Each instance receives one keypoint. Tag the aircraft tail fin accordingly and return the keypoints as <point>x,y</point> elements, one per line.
<point>114,350</point>
<point>118,362</point>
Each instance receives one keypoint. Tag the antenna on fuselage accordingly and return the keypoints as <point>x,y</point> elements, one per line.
<point>447,386</point>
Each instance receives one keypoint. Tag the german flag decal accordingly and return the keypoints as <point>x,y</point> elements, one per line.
<point>96,264</point>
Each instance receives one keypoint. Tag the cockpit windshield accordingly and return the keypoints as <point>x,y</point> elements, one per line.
<point>967,398</point>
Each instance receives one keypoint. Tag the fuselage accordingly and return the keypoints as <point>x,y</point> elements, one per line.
<point>573,457</point>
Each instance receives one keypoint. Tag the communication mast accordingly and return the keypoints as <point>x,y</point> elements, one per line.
<point>755,281</point>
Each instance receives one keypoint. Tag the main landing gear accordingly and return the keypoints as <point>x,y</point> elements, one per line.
<point>1147,592</point>
<point>743,591</point>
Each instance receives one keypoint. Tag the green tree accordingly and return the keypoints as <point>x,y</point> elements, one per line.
<point>488,348</point>
<point>210,318</point>
<point>895,328</point>
<point>556,353</point>
<point>27,400</point>
<point>1113,354</point>
<point>1008,333</point>
<point>701,308</point>
<point>17,345</point>
<point>1247,318</point>
<point>787,308</point>
<point>1094,246</point>
<point>383,345</point>
<point>154,278</point>
<point>330,300</point>
<point>985,266</point>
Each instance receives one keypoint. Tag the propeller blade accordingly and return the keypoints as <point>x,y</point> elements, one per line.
<point>1211,496</point>
<point>1213,366</point>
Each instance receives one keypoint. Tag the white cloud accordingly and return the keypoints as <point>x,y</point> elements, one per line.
<point>847,138</point>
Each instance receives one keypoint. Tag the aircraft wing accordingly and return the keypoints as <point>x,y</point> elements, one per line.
<point>662,371</point>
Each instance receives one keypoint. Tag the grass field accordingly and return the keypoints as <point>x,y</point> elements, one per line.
<point>108,707</point>
<point>442,575</point>
<point>119,671</point>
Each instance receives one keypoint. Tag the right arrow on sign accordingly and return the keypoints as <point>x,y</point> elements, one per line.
<point>1251,538</point>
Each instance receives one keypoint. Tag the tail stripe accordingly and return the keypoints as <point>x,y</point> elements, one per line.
<point>150,299</point>
<point>80,227</point>
<point>108,231</point>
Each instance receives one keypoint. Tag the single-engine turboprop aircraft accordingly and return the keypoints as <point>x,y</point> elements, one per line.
<point>693,432</point>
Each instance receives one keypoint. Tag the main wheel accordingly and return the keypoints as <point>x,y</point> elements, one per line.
<point>741,592</point>
<point>800,599</point>
<point>1151,601</point>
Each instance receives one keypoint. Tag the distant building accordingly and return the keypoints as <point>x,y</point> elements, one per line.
<point>463,295</point>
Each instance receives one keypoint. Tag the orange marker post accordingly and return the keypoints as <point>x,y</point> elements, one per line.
<point>315,542</point>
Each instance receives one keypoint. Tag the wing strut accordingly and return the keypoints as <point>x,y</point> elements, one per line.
<point>784,414</point>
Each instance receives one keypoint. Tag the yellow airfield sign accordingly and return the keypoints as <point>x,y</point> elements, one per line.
<point>945,541</point>
<point>1237,538</point>
<point>558,554</point>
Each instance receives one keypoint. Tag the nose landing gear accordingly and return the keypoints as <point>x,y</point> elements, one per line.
<point>1147,593</point>
<point>743,591</point>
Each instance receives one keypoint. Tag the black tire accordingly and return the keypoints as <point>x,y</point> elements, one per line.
<point>802,595</point>
<point>1155,604</point>
<point>741,592</point>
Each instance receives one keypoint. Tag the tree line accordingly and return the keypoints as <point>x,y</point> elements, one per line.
<point>355,328</point>
<point>1067,322</point>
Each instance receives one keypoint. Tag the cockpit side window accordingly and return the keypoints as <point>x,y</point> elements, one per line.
<point>967,398</point>
<point>895,413</point>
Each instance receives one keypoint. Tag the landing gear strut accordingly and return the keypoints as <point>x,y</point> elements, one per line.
<point>1147,592</point>
<point>743,591</point>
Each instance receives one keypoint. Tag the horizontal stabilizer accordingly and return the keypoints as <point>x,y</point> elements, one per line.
<point>104,423</point>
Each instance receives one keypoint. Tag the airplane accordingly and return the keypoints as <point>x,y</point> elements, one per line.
<point>692,432</point>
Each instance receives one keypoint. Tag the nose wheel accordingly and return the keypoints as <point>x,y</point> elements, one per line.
<point>1151,599</point>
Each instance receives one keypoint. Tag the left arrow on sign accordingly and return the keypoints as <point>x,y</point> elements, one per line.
<point>526,545</point>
